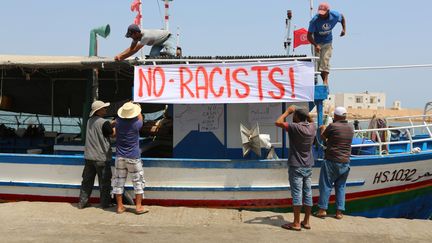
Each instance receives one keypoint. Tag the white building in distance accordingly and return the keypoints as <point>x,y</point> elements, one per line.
<point>366,100</point>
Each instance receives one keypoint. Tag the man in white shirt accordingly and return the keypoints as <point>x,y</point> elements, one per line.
<point>158,39</point>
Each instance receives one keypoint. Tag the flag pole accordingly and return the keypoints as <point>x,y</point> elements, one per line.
<point>178,36</point>
<point>311,16</point>
<point>141,26</point>
<point>142,18</point>
<point>294,39</point>
<point>166,15</point>
<point>312,47</point>
<point>287,43</point>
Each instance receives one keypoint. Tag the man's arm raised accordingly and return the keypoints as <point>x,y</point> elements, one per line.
<point>134,48</point>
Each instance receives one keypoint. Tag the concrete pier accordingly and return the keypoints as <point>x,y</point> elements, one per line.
<point>63,222</point>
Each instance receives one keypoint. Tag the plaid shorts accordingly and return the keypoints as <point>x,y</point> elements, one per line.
<point>123,166</point>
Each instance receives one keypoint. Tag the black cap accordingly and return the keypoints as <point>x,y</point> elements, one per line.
<point>132,29</point>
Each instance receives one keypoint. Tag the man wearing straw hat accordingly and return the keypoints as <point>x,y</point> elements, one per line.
<point>98,156</point>
<point>128,154</point>
<point>320,36</point>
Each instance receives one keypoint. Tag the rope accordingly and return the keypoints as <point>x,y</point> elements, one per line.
<point>160,12</point>
<point>382,67</point>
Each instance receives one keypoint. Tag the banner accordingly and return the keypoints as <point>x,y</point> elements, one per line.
<point>218,83</point>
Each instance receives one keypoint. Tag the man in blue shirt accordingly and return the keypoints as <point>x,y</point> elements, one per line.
<point>128,155</point>
<point>320,36</point>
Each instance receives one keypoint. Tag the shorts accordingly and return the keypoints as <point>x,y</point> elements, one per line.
<point>300,184</point>
<point>123,166</point>
<point>324,55</point>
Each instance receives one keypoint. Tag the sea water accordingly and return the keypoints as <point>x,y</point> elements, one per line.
<point>58,124</point>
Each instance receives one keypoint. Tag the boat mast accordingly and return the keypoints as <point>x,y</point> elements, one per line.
<point>142,18</point>
<point>166,14</point>
<point>287,43</point>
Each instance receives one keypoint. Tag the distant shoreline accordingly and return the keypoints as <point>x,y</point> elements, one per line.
<point>360,114</point>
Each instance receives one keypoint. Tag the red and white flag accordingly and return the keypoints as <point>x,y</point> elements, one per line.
<point>300,37</point>
<point>137,19</point>
<point>135,6</point>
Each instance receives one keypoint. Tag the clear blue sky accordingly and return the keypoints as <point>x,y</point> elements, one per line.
<point>379,33</point>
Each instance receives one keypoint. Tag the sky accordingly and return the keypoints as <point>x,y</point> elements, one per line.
<point>379,33</point>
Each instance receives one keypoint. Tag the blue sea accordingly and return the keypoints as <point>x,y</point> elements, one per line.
<point>58,124</point>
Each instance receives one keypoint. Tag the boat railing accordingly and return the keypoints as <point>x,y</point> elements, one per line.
<point>20,120</point>
<point>408,133</point>
<point>187,60</point>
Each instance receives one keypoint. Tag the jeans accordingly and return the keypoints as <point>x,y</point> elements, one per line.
<point>168,44</point>
<point>300,184</point>
<point>103,171</point>
<point>333,174</point>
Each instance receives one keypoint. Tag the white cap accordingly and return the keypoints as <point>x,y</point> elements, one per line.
<point>340,111</point>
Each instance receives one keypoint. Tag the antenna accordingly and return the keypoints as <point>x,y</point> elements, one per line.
<point>178,36</point>
<point>287,43</point>
<point>252,140</point>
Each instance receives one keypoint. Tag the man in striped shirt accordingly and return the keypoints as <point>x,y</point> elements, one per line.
<point>335,167</point>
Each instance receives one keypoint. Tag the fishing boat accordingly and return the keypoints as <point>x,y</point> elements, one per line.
<point>207,163</point>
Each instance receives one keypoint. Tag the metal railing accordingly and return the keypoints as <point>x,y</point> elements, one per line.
<point>22,120</point>
<point>409,133</point>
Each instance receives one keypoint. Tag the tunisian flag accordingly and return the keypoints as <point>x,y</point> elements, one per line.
<point>300,37</point>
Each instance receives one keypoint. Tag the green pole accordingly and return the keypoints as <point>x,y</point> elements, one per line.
<point>92,83</point>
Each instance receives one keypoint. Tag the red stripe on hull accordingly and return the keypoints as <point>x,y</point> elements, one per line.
<point>41,198</point>
<point>389,190</point>
<point>250,203</point>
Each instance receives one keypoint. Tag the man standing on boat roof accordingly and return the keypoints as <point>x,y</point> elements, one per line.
<point>301,133</point>
<point>335,167</point>
<point>128,155</point>
<point>320,36</point>
<point>158,39</point>
<point>98,156</point>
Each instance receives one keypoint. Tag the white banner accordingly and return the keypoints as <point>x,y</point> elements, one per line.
<point>217,83</point>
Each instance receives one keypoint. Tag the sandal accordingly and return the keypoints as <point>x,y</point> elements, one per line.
<point>120,211</point>
<point>290,227</point>
<point>318,215</point>
<point>339,216</point>
<point>142,211</point>
<point>305,226</point>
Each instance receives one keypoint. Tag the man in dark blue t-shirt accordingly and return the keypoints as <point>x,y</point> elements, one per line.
<point>320,36</point>
<point>128,155</point>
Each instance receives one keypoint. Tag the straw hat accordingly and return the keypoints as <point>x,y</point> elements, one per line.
<point>97,105</point>
<point>129,110</point>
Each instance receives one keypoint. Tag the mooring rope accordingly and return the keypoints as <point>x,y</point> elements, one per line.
<point>381,67</point>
